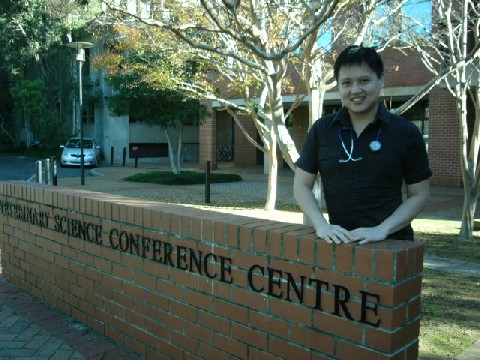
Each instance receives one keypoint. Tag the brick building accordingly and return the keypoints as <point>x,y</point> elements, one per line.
<point>405,75</point>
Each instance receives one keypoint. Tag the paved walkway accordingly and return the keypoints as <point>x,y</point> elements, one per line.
<point>30,329</point>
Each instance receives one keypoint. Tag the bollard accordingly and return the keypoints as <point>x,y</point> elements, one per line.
<point>38,171</point>
<point>124,155</point>
<point>207,183</point>
<point>111,155</point>
<point>45,170</point>
<point>135,150</point>
<point>53,165</point>
<point>48,173</point>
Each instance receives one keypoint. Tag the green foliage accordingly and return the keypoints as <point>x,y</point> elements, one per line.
<point>29,29</point>
<point>29,97</point>
<point>165,108</point>
<point>11,149</point>
<point>145,79</point>
<point>39,152</point>
<point>184,178</point>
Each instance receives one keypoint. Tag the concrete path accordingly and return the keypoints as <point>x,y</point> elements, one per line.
<point>452,266</point>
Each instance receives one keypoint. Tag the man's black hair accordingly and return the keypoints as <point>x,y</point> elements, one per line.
<point>356,55</point>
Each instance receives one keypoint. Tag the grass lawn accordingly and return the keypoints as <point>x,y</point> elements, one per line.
<point>450,313</point>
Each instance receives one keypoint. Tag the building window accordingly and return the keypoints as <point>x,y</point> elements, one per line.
<point>419,115</point>
<point>134,120</point>
<point>88,116</point>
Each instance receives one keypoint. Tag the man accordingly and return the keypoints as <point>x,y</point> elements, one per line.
<point>363,154</point>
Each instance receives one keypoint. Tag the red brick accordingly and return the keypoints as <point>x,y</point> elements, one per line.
<point>344,258</point>
<point>390,319</point>
<point>231,311</point>
<point>157,328</point>
<point>184,310</point>
<point>312,339</point>
<point>414,308</point>
<point>208,352</point>
<point>324,254</point>
<point>201,301</point>
<point>249,299</point>
<point>363,262</point>
<point>198,332</point>
<point>274,242</point>
<point>306,249</point>
<point>231,346</point>
<point>214,322</point>
<point>391,342</point>
<point>258,354</point>
<point>384,265</point>
<point>348,351</point>
<point>290,311</point>
<point>269,324</point>
<point>221,235</point>
<point>207,230</point>
<point>339,326</point>
<point>287,350</point>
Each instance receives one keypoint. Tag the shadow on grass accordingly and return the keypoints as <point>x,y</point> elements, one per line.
<point>450,315</point>
<point>450,246</point>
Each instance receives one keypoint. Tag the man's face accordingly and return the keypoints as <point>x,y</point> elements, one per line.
<point>359,88</point>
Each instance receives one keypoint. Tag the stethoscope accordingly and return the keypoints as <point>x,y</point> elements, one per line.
<point>375,145</point>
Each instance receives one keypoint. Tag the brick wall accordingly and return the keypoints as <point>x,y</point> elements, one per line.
<point>245,152</point>
<point>404,68</point>
<point>208,140</point>
<point>444,139</point>
<point>173,282</point>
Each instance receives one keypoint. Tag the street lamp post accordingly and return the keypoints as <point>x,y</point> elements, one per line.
<point>80,57</point>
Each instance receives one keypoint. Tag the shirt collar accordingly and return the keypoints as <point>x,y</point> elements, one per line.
<point>382,115</point>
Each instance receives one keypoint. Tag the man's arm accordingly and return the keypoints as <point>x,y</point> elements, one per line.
<point>417,197</point>
<point>302,189</point>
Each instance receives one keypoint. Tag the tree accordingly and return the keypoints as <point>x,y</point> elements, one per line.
<point>460,44</point>
<point>255,48</point>
<point>29,103</point>
<point>452,53</point>
<point>138,98</point>
<point>250,46</point>
<point>32,33</point>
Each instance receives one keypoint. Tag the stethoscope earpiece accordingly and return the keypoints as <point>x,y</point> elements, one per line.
<point>352,146</point>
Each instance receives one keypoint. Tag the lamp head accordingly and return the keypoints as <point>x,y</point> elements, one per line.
<point>80,46</point>
<point>80,55</point>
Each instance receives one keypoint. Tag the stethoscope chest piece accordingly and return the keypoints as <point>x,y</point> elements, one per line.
<point>375,145</point>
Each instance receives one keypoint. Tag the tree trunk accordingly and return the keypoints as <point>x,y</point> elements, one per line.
<point>272,174</point>
<point>28,132</point>
<point>171,153</point>
<point>179,150</point>
<point>468,212</point>
<point>6,132</point>
<point>284,140</point>
<point>315,112</point>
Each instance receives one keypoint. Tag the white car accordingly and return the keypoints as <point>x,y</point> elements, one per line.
<point>71,152</point>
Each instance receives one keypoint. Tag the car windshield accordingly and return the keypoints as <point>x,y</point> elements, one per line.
<point>75,144</point>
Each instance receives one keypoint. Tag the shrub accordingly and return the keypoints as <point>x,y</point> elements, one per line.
<point>184,178</point>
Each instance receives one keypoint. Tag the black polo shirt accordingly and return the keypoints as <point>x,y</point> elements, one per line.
<point>365,192</point>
